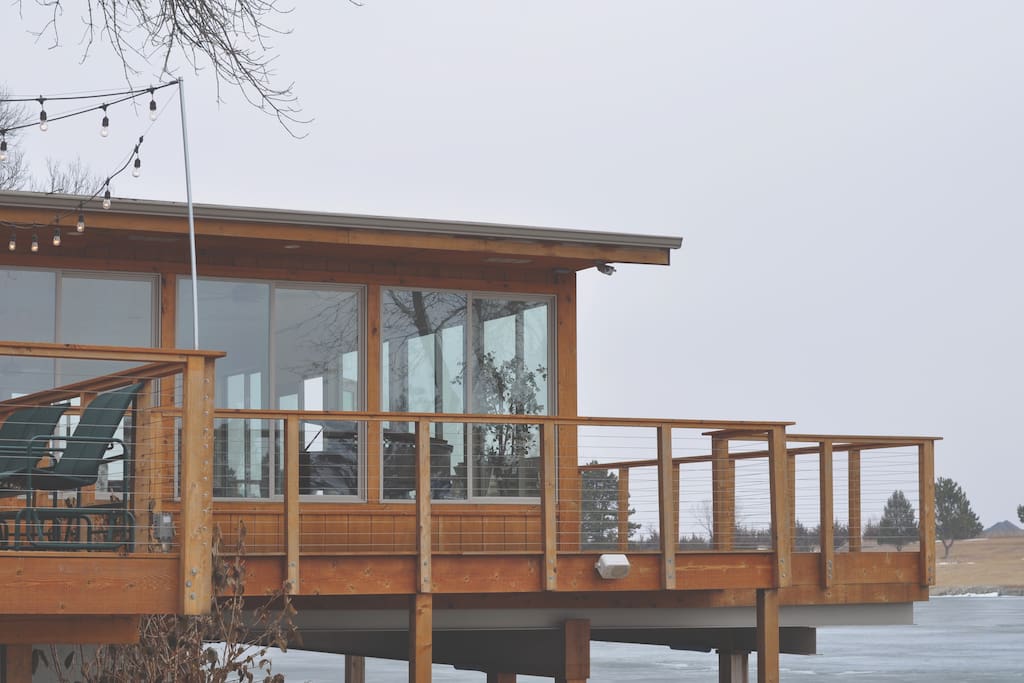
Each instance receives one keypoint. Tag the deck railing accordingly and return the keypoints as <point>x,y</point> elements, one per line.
<point>551,490</point>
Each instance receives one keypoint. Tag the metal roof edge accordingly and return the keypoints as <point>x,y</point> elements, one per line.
<point>60,202</point>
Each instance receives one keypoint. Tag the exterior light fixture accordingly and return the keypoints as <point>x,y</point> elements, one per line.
<point>604,268</point>
<point>612,566</point>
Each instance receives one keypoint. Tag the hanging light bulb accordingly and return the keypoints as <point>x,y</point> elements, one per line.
<point>80,226</point>
<point>106,196</point>
<point>137,169</point>
<point>43,126</point>
<point>13,244</point>
<point>56,237</point>
<point>3,146</point>
<point>152,105</point>
<point>35,243</point>
<point>105,124</point>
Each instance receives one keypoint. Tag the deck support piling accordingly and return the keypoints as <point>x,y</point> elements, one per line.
<point>576,643</point>
<point>421,640</point>
<point>500,677</point>
<point>733,667</point>
<point>17,663</point>
<point>355,669</point>
<point>767,635</point>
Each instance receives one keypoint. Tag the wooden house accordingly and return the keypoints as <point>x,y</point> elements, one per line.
<point>344,404</point>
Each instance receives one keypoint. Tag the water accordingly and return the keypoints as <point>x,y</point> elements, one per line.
<point>954,640</point>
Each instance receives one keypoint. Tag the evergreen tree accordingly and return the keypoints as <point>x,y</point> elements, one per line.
<point>600,510</point>
<point>898,525</point>
<point>954,518</point>
<point>1020,513</point>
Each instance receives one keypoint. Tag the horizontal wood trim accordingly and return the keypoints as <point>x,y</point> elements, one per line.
<point>82,630</point>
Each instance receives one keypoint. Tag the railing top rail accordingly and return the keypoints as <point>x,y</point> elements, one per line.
<point>850,439</point>
<point>113,380</point>
<point>99,352</point>
<point>488,419</point>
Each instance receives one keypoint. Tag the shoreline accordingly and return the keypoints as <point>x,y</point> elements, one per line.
<point>1001,591</point>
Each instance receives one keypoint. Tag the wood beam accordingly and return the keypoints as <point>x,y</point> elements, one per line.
<point>84,629</point>
<point>17,664</point>
<point>576,643</point>
<point>292,522</point>
<point>423,521</point>
<point>853,497</point>
<point>197,486</point>
<point>548,503</point>
<point>421,643</point>
<point>569,478</point>
<point>926,501</point>
<point>782,539</point>
<point>374,435</point>
<point>667,528</point>
<point>723,494</point>
<point>826,514</point>
<point>355,669</point>
<point>767,636</point>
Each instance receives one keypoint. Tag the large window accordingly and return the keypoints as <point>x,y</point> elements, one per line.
<point>458,352</point>
<point>290,347</point>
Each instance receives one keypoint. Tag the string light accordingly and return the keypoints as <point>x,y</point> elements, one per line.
<point>105,124</point>
<point>152,104</point>
<point>43,126</point>
<point>3,145</point>
<point>13,244</point>
<point>80,226</point>
<point>35,243</point>
<point>56,237</point>
<point>106,195</point>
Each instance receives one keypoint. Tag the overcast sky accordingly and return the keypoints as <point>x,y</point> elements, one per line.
<point>847,179</point>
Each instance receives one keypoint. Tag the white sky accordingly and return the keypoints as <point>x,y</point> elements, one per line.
<point>847,178</point>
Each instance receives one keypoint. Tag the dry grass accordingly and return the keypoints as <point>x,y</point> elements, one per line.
<point>981,562</point>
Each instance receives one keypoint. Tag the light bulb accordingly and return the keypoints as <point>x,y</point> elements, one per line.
<point>13,244</point>
<point>43,126</point>
<point>3,150</point>
<point>80,226</point>
<point>106,199</point>
<point>152,109</point>
<point>56,237</point>
<point>105,127</point>
<point>35,243</point>
<point>137,170</point>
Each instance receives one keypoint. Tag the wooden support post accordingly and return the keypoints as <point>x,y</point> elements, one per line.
<point>826,516</point>
<point>355,669</point>
<point>292,526</point>
<point>423,521</point>
<point>853,484</point>
<point>791,488</point>
<point>733,667</point>
<point>767,636</point>
<point>782,539</point>
<point>926,501</point>
<point>576,641</point>
<point>548,503</point>
<point>197,486</point>
<point>675,497</point>
<point>503,677</point>
<point>723,494</point>
<point>623,509</point>
<point>667,528</point>
<point>421,638</point>
<point>17,664</point>
<point>374,434</point>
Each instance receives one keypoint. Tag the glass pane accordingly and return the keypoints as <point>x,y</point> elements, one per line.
<point>510,376</point>
<point>424,343</point>
<point>399,473</point>
<point>316,349</point>
<point>243,451</point>
<point>27,309</point>
<point>103,311</point>
<point>233,317</point>
<point>329,458</point>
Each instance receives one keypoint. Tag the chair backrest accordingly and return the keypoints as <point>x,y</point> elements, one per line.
<point>98,423</point>
<point>21,426</point>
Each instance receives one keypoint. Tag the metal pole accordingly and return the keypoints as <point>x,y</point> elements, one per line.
<point>191,217</point>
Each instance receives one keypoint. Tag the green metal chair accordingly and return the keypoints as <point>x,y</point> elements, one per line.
<point>78,466</point>
<point>18,430</point>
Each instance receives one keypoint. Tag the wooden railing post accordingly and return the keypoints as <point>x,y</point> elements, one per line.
<point>853,486</point>
<point>669,541</point>
<point>723,494</point>
<point>826,516</point>
<point>292,525</point>
<point>548,504</point>
<point>926,501</point>
<point>423,520</point>
<point>197,485</point>
<point>782,539</point>
<point>623,509</point>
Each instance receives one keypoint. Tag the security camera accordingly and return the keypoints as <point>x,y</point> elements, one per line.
<point>605,269</point>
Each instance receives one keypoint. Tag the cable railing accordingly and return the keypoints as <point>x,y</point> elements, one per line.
<point>312,485</point>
